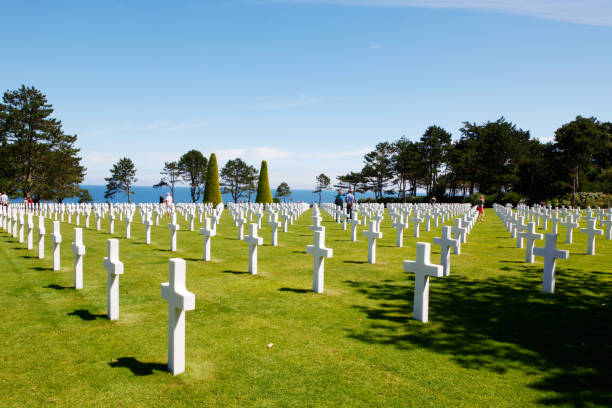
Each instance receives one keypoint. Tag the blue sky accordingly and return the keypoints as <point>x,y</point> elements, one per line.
<point>309,85</point>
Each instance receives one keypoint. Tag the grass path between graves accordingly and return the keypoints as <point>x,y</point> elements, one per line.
<point>493,340</point>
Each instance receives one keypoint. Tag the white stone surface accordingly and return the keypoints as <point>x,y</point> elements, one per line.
<point>174,227</point>
<point>550,254</point>
<point>446,243</point>
<point>179,300</point>
<point>56,239</point>
<point>530,235</point>
<point>207,232</point>
<point>254,241</point>
<point>41,237</point>
<point>114,267</point>
<point>591,231</point>
<point>78,249</point>
<point>373,234</point>
<point>422,269</point>
<point>319,252</point>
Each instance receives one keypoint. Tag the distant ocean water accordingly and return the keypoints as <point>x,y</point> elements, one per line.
<point>145,194</point>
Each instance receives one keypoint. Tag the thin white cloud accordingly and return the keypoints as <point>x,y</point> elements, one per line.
<point>590,12</point>
<point>337,154</point>
<point>373,45</point>
<point>276,104</point>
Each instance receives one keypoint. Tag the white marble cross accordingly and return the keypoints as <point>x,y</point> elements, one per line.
<point>373,234</point>
<point>111,225</point>
<point>530,235</point>
<point>275,225</point>
<point>56,238</point>
<point>239,222</point>
<point>208,232</point>
<point>400,225</point>
<point>569,224</point>
<point>30,225</point>
<point>174,227</point>
<point>179,300</point>
<point>316,223</point>
<point>591,231</point>
<point>607,223</point>
<point>21,227</point>
<point>458,232</point>
<point>416,221</point>
<point>128,225</point>
<point>550,254</point>
<point>319,252</point>
<point>354,221</point>
<point>148,223</point>
<point>253,240</point>
<point>41,237</point>
<point>78,249</point>
<point>114,267</point>
<point>446,242</point>
<point>422,269</point>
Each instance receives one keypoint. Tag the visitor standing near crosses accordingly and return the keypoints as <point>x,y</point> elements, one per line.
<point>169,201</point>
<point>4,199</point>
<point>350,199</point>
<point>339,200</point>
<point>480,208</point>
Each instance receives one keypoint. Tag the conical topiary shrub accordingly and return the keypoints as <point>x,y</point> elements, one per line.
<point>212,192</point>
<point>263,186</point>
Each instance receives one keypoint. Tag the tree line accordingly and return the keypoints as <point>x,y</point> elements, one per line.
<point>494,158</point>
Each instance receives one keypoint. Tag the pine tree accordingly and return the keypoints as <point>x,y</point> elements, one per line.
<point>212,192</point>
<point>264,195</point>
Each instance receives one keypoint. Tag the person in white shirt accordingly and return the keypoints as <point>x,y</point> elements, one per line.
<point>4,199</point>
<point>169,202</point>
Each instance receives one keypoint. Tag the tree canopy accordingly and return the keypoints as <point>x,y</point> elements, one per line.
<point>39,160</point>
<point>122,178</point>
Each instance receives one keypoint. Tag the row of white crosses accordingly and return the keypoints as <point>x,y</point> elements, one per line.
<point>549,251</point>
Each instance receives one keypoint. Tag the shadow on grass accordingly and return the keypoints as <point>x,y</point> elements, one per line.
<point>507,323</point>
<point>29,257</point>
<point>356,262</point>
<point>86,315</point>
<point>41,268</point>
<point>138,368</point>
<point>294,290</point>
<point>235,272</point>
<point>57,287</point>
<point>298,252</point>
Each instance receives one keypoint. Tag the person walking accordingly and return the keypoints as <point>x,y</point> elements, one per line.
<point>169,202</point>
<point>350,200</point>
<point>480,208</point>
<point>4,199</point>
<point>339,201</point>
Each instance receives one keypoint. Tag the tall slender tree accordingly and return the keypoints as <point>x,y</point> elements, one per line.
<point>264,195</point>
<point>212,191</point>
<point>322,184</point>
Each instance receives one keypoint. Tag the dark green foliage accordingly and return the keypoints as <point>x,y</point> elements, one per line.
<point>378,169</point>
<point>123,177</point>
<point>238,178</point>
<point>434,147</point>
<point>192,166</point>
<point>283,191</point>
<point>39,160</point>
<point>264,195</point>
<point>84,196</point>
<point>212,191</point>
<point>323,183</point>
<point>171,175</point>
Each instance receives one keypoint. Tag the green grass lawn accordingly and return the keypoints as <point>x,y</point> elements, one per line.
<point>493,340</point>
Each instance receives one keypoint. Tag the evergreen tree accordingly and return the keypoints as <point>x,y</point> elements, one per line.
<point>123,177</point>
<point>192,166</point>
<point>323,183</point>
<point>283,190</point>
<point>38,159</point>
<point>238,178</point>
<point>212,191</point>
<point>264,195</point>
